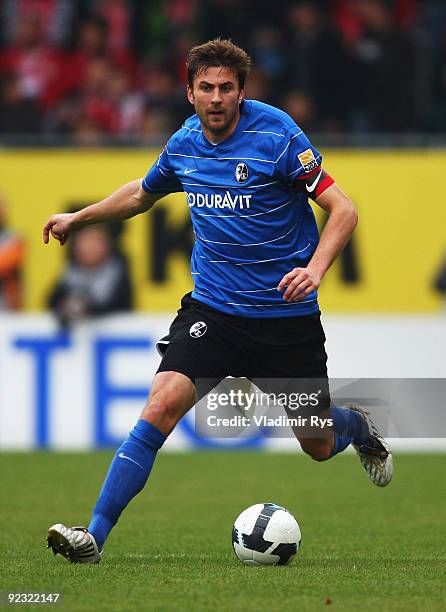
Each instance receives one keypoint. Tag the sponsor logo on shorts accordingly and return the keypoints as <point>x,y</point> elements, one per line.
<point>241,172</point>
<point>307,160</point>
<point>198,329</point>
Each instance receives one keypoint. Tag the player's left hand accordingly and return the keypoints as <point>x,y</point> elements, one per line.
<point>299,283</point>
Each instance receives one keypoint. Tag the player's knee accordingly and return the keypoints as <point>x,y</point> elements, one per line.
<point>172,395</point>
<point>319,450</point>
<point>163,412</point>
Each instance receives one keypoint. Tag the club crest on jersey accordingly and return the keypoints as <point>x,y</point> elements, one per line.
<point>307,160</point>
<point>198,329</point>
<point>241,172</point>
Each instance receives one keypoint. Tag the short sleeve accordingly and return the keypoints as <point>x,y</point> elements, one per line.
<point>298,158</point>
<point>161,177</point>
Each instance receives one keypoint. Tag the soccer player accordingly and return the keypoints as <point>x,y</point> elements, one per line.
<point>247,170</point>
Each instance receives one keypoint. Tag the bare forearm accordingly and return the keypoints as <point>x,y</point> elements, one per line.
<point>128,201</point>
<point>335,235</point>
<point>342,220</point>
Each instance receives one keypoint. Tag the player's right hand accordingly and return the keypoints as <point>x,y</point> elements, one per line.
<point>59,226</point>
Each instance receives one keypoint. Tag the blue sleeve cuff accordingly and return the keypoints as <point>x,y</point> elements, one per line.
<point>145,186</point>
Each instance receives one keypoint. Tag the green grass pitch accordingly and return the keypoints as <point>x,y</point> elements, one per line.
<point>363,548</point>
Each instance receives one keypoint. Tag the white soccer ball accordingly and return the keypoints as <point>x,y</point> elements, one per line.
<point>266,534</point>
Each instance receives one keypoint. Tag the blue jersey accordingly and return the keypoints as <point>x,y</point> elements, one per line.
<point>252,225</point>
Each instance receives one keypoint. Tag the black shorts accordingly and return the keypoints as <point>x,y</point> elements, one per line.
<point>204,343</point>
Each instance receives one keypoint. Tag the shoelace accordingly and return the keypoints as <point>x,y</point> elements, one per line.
<point>376,448</point>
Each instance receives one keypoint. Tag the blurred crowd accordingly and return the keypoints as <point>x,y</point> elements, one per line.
<point>94,281</point>
<point>12,255</point>
<point>94,71</point>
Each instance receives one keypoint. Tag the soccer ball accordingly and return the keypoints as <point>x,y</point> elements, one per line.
<point>266,534</point>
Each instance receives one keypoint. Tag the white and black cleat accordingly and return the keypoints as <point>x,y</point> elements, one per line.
<point>374,454</point>
<point>73,543</point>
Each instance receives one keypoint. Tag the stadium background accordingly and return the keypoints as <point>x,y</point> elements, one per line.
<point>89,92</point>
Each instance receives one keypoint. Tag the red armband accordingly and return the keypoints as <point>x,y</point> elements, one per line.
<point>314,183</point>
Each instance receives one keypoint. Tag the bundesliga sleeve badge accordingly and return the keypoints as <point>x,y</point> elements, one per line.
<point>307,160</point>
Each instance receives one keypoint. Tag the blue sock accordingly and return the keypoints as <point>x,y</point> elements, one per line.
<point>127,475</point>
<point>348,426</point>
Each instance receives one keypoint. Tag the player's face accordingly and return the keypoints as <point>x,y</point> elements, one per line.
<point>216,96</point>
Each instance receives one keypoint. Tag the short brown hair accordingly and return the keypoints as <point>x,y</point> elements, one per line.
<point>218,52</point>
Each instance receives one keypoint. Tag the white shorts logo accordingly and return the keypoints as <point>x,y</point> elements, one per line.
<point>198,329</point>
